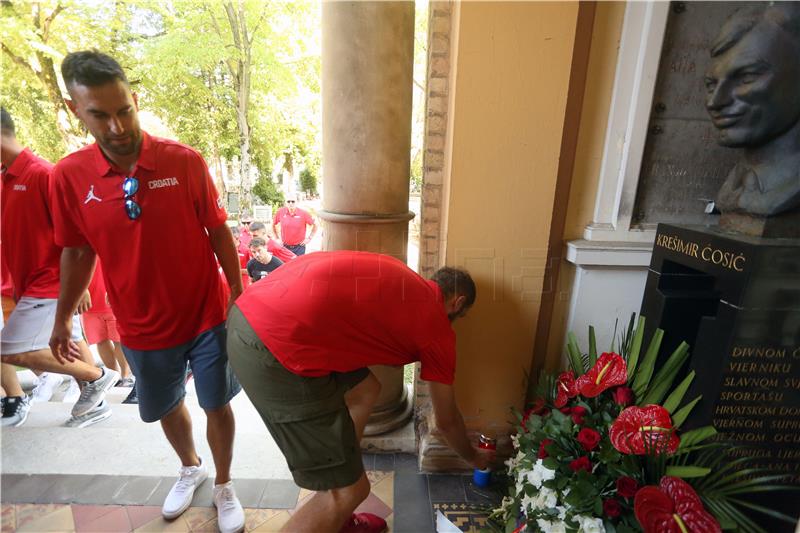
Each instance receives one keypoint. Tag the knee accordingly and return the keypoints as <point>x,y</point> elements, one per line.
<point>220,413</point>
<point>351,496</point>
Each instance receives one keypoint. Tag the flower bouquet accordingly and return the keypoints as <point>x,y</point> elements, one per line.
<point>601,449</point>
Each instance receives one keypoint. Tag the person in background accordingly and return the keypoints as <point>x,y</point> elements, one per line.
<point>244,257</point>
<point>259,229</point>
<point>244,233</point>
<point>263,262</point>
<point>100,326</point>
<point>294,223</point>
<point>32,258</point>
<point>160,200</point>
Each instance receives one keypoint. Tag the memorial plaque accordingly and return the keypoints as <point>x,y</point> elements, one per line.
<point>736,300</point>
<point>683,167</point>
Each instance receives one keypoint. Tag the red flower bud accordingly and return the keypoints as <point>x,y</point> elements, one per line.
<point>627,487</point>
<point>588,439</point>
<point>542,451</point>
<point>611,508</point>
<point>581,463</point>
<point>577,414</point>
<point>566,410</point>
<point>623,396</point>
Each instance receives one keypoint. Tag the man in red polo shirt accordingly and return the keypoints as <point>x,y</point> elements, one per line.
<point>301,342</point>
<point>293,222</point>
<point>32,259</point>
<point>142,205</point>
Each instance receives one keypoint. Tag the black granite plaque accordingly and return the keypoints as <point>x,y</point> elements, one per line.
<point>736,301</point>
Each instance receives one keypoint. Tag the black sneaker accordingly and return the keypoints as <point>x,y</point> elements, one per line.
<point>15,411</point>
<point>132,396</point>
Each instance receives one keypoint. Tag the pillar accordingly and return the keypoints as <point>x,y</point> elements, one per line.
<point>367,76</point>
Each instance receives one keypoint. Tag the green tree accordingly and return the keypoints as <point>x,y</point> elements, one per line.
<point>35,36</point>
<point>308,182</point>
<point>267,192</point>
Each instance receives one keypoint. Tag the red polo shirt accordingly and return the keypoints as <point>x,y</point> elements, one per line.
<point>293,227</point>
<point>281,252</point>
<point>28,249</point>
<point>97,292</point>
<point>160,271</point>
<point>340,311</point>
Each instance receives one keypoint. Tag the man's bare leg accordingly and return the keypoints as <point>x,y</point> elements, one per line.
<point>45,361</point>
<point>10,381</point>
<point>327,511</point>
<point>220,430</point>
<point>107,355</point>
<point>177,426</point>
<point>122,363</point>
<point>360,400</point>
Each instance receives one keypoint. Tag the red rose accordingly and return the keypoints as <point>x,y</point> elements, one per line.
<point>623,396</point>
<point>581,463</point>
<point>588,439</point>
<point>538,408</point>
<point>627,487</point>
<point>611,508</point>
<point>542,451</point>
<point>565,388</point>
<point>609,370</point>
<point>577,414</point>
<point>566,410</point>
<point>672,506</point>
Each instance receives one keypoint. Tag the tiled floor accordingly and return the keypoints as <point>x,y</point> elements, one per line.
<point>400,494</point>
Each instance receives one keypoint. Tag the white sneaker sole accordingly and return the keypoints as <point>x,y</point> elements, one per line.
<point>175,514</point>
<point>94,420</point>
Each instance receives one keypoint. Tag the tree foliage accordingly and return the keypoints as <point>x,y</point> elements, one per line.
<point>238,80</point>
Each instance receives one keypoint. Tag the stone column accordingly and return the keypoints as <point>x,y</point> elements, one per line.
<point>367,70</point>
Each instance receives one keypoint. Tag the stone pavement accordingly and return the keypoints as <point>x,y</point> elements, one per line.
<point>113,476</point>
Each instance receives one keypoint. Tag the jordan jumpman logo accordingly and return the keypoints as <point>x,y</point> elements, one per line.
<point>91,196</point>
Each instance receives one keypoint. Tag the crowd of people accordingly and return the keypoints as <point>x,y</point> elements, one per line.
<point>299,340</point>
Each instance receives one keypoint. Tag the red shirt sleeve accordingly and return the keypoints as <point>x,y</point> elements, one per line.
<point>207,201</point>
<point>66,219</point>
<point>438,360</point>
<point>308,218</point>
<point>277,217</point>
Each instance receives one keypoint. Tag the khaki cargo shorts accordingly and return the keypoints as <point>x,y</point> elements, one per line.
<point>306,416</point>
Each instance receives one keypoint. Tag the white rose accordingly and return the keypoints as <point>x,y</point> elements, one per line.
<point>587,524</point>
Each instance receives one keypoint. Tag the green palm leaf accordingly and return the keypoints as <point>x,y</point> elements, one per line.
<point>636,347</point>
<point>592,347</point>
<point>645,371</point>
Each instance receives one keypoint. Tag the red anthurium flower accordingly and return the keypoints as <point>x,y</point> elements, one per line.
<point>643,430</point>
<point>672,507</point>
<point>588,439</point>
<point>611,508</point>
<point>581,463</point>
<point>542,451</point>
<point>565,388</point>
<point>627,486</point>
<point>609,371</point>
<point>622,396</point>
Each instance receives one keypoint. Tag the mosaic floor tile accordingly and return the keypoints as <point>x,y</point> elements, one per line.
<point>83,515</point>
<point>8,517</point>
<point>58,520</point>
<point>464,516</point>
<point>142,514</point>
<point>384,489</point>
<point>28,512</point>
<point>115,521</point>
<point>255,517</point>
<point>275,523</point>
<point>197,516</point>
<point>158,525</point>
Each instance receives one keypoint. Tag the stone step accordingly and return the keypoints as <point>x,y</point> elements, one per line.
<point>124,445</point>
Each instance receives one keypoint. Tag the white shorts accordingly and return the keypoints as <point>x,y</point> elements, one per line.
<point>30,325</point>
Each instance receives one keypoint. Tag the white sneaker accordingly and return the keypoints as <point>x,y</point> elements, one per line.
<point>230,515</point>
<point>45,387</point>
<point>73,392</point>
<point>94,391</point>
<point>181,494</point>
